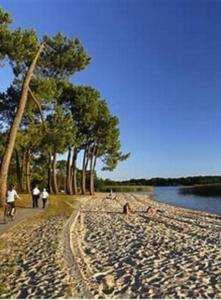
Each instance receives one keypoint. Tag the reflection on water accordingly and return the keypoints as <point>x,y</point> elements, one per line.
<point>172,196</point>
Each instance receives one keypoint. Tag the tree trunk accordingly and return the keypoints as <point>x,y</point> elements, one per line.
<point>92,172</point>
<point>83,176</point>
<point>91,177</point>
<point>27,173</point>
<point>23,171</point>
<point>92,168</point>
<point>74,173</point>
<point>49,173</point>
<point>94,165</point>
<point>18,170</point>
<point>14,128</point>
<point>54,175</point>
<point>68,174</point>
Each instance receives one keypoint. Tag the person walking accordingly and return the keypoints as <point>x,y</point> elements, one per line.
<point>35,196</point>
<point>44,197</point>
<point>10,200</point>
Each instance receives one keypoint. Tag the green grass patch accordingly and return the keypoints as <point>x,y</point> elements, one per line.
<point>126,188</point>
<point>207,190</point>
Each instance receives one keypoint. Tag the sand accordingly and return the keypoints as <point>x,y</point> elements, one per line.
<point>34,266</point>
<point>175,254</point>
<point>102,253</point>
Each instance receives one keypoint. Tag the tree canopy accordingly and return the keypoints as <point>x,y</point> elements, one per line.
<point>43,115</point>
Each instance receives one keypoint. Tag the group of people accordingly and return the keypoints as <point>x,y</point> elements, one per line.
<point>36,193</point>
<point>12,195</point>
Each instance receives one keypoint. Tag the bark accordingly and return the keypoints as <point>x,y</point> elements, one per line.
<point>94,165</point>
<point>54,175</point>
<point>27,172</point>
<point>91,177</point>
<point>18,170</point>
<point>37,103</point>
<point>23,171</point>
<point>92,172</point>
<point>83,173</point>
<point>14,128</point>
<point>74,172</point>
<point>68,174</point>
<point>49,173</point>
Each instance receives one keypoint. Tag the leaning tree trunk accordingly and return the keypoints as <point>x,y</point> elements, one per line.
<point>14,128</point>
<point>54,175</point>
<point>27,173</point>
<point>68,174</point>
<point>74,172</point>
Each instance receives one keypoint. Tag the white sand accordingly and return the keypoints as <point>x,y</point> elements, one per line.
<point>175,254</point>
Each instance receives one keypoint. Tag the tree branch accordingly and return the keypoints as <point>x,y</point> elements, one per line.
<point>40,110</point>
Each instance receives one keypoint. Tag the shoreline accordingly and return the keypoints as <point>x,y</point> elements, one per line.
<point>154,198</point>
<point>103,253</point>
<point>174,254</point>
<point>193,210</point>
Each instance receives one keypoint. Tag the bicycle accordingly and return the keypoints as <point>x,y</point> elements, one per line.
<point>9,212</point>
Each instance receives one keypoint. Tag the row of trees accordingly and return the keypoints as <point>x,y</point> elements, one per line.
<point>159,181</point>
<point>42,114</point>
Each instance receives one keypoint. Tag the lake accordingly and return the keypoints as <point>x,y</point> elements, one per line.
<point>172,196</point>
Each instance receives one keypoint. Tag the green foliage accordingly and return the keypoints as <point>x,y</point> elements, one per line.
<point>60,133</point>
<point>62,57</point>
<point>21,49</point>
<point>125,188</point>
<point>76,116</point>
<point>46,90</point>
<point>5,19</point>
<point>8,104</point>
<point>97,129</point>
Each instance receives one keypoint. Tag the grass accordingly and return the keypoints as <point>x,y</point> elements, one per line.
<point>207,190</point>
<point>126,188</point>
<point>25,201</point>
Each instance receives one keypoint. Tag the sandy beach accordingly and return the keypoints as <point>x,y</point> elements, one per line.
<point>99,252</point>
<point>175,254</point>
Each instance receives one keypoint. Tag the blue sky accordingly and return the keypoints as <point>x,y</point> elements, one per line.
<point>158,65</point>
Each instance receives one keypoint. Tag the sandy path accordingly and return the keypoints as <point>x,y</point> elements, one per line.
<point>21,214</point>
<point>176,254</point>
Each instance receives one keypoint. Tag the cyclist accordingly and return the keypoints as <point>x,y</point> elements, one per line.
<point>10,200</point>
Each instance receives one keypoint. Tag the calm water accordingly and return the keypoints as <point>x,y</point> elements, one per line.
<point>171,195</point>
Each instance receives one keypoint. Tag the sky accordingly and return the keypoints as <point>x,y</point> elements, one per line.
<point>158,65</point>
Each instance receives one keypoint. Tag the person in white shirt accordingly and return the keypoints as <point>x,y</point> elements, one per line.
<point>10,199</point>
<point>35,196</point>
<point>44,197</point>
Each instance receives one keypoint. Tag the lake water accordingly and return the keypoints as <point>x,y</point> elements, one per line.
<point>171,195</point>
